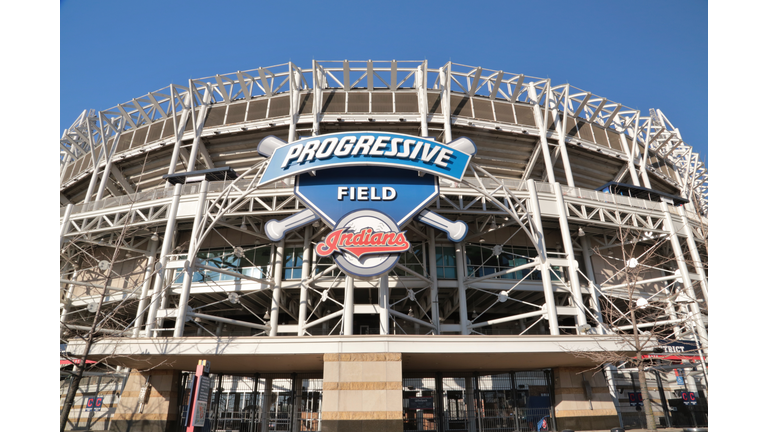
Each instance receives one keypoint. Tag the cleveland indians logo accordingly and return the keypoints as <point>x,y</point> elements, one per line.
<point>367,186</point>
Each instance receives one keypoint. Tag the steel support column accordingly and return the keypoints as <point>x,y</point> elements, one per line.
<point>65,224</point>
<point>159,287</point>
<point>445,97</point>
<point>143,298</point>
<point>189,271</point>
<point>305,269</point>
<point>631,156</point>
<point>274,311</point>
<point>349,306</point>
<point>67,303</point>
<point>573,273</point>
<point>688,286</point>
<point>586,249</point>
<point>433,276</point>
<point>541,124</point>
<point>384,304</point>
<point>461,274</point>
<point>694,254</point>
<point>546,280</point>
<point>198,124</point>
<point>561,126</point>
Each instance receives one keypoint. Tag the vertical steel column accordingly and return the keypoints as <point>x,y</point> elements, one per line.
<point>694,254</point>
<point>305,269</point>
<point>92,183</point>
<point>292,101</point>
<point>189,271</point>
<point>561,126</point>
<point>546,280</point>
<point>197,125</point>
<point>143,298</point>
<point>178,128</point>
<point>318,83</point>
<point>445,96</point>
<point>165,249</point>
<point>349,306</point>
<point>67,300</point>
<point>609,370</point>
<point>586,249</point>
<point>573,274</point>
<point>266,404</point>
<point>274,312</point>
<point>631,157</point>
<point>108,166</point>
<point>461,274</point>
<point>65,224</point>
<point>421,87</point>
<point>541,124</point>
<point>296,387</point>
<point>682,265</point>
<point>472,405</point>
<point>434,294</point>
<point>384,304</point>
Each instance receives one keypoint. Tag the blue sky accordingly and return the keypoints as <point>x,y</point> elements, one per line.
<point>650,54</point>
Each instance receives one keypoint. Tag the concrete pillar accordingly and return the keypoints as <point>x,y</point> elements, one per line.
<point>362,392</point>
<point>583,401</point>
<point>160,410</point>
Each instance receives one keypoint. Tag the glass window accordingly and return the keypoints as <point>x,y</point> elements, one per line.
<point>292,263</point>
<point>415,259</point>
<point>446,262</point>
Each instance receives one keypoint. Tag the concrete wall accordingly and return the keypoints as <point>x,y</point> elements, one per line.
<point>362,392</point>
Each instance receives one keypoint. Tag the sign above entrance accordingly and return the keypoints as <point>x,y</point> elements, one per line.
<point>367,186</point>
<point>365,149</point>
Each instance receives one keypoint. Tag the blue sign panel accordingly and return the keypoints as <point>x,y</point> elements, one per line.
<point>365,149</point>
<point>396,192</point>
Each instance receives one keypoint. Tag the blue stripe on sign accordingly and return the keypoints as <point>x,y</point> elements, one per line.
<point>366,149</point>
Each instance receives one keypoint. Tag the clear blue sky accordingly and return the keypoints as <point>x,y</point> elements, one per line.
<point>649,54</point>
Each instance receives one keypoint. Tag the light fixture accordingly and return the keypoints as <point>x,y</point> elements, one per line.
<point>266,315</point>
<point>482,240</point>
<point>474,314</point>
<point>410,312</point>
<point>493,224</point>
<point>242,225</point>
<point>581,232</point>
<point>154,237</point>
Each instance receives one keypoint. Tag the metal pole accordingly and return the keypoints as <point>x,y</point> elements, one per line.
<point>609,369</point>
<point>660,383</point>
<point>573,274</point>
<point>266,404</point>
<point>586,249</point>
<point>433,275</point>
<point>384,304</point>
<point>292,104</point>
<point>67,300</point>
<point>189,271</point>
<point>305,269</point>
<point>461,274</point>
<point>694,254</point>
<point>170,228</point>
<point>349,306</point>
<point>445,96</point>
<point>143,299</point>
<point>546,280</point>
<point>542,130</point>
<point>274,312</point>
<point>631,157</point>
<point>683,267</point>
<point>561,126</point>
<point>197,125</point>
<point>65,224</point>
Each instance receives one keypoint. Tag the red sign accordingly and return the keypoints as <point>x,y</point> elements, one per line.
<point>365,242</point>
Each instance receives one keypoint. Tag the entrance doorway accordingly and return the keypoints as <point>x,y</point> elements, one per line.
<point>514,401</point>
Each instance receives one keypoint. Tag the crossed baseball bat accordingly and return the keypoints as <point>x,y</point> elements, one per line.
<point>276,229</point>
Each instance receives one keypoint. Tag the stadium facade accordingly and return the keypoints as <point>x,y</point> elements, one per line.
<point>381,246</point>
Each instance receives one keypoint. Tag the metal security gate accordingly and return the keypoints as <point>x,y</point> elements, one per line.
<point>261,403</point>
<point>516,401</point>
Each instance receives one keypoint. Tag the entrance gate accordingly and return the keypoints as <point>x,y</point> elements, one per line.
<point>515,401</point>
<point>261,403</point>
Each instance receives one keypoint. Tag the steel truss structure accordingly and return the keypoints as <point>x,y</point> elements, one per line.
<point>193,260</point>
